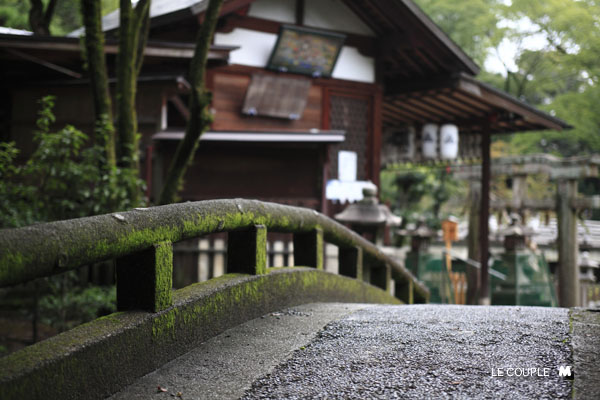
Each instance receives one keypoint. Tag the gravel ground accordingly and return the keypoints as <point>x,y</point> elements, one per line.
<point>422,352</point>
<point>359,351</point>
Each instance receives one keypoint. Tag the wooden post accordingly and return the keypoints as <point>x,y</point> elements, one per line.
<point>351,262</point>
<point>145,279</point>
<point>473,274</point>
<point>484,215</point>
<point>450,230</point>
<point>247,251</point>
<point>308,249</point>
<point>568,271</point>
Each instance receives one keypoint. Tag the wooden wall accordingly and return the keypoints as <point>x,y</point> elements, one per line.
<point>286,173</point>
<point>279,172</point>
<point>229,90</point>
<point>74,106</point>
<point>229,85</point>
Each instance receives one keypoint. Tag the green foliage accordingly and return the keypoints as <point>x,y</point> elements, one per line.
<point>579,110</point>
<point>64,178</point>
<point>14,14</point>
<point>560,75</point>
<point>418,192</point>
<point>67,305</point>
<point>109,6</point>
<point>66,18</point>
<point>472,24</point>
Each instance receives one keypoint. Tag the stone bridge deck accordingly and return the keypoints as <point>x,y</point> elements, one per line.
<point>361,351</point>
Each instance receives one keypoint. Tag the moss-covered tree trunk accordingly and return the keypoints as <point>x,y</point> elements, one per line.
<point>199,106</point>
<point>132,39</point>
<point>133,32</point>
<point>94,53</point>
<point>40,17</point>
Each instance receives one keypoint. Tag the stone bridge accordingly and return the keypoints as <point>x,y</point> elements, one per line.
<point>261,332</point>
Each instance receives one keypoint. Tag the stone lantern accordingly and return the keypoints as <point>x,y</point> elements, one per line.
<point>516,235</point>
<point>527,278</point>
<point>420,239</point>
<point>587,268</point>
<point>590,290</point>
<point>369,218</point>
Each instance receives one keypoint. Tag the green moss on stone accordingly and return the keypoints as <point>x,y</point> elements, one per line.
<point>164,276</point>
<point>319,234</point>
<point>200,311</point>
<point>261,250</point>
<point>95,238</point>
<point>163,326</point>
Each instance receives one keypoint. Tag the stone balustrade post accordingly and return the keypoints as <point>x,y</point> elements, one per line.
<point>308,249</point>
<point>145,279</point>
<point>247,251</point>
<point>351,262</point>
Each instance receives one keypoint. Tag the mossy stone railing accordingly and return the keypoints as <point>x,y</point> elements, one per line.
<point>156,324</point>
<point>141,242</point>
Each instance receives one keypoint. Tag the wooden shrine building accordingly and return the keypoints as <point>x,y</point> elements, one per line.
<point>294,82</point>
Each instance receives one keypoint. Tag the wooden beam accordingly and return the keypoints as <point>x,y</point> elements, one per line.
<point>458,103</point>
<point>402,116</point>
<point>433,102</point>
<point>439,111</point>
<point>228,7</point>
<point>442,40</point>
<point>45,63</point>
<point>473,274</point>
<point>503,101</point>
<point>180,106</point>
<point>402,86</point>
<point>376,134</point>
<point>415,21</point>
<point>474,103</point>
<point>300,12</point>
<point>366,45</point>
<point>153,49</point>
<point>361,9</point>
<point>415,110</point>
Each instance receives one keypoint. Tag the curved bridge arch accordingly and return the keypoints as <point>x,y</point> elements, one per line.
<point>100,357</point>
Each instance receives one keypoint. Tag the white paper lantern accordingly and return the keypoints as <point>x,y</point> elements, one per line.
<point>449,141</point>
<point>429,136</point>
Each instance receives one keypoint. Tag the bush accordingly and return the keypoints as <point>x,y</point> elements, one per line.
<point>67,305</point>
<point>64,178</point>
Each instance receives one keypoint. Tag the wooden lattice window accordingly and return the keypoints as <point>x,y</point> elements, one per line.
<point>274,96</point>
<point>350,114</point>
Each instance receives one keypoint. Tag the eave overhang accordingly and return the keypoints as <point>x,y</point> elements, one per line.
<point>466,102</point>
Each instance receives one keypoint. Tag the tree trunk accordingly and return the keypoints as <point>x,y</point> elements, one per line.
<point>39,19</point>
<point>199,106</point>
<point>129,60</point>
<point>94,54</point>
